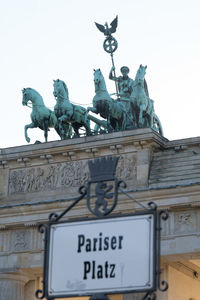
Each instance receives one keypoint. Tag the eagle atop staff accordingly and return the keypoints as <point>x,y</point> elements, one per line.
<point>106,29</point>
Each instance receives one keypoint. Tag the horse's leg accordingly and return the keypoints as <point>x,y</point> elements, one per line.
<point>57,129</point>
<point>125,114</point>
<point>141,121</point>
<point>76,127</point>
<point>87,111</point>
<point>46,127</point>
<point>124,121</point>
<point>26,127</point>
<point>87,127</point>
<point>76,130</point>
<point>135,114</point>
<point>46,134</point>
<point>92,109</point>
<point>63,129</point>
<point>151,118</point>
<point>97,128</point>
<point>67,131</point>
<point>110,128</point>
<point>150,112</point>
<point>60,125</point>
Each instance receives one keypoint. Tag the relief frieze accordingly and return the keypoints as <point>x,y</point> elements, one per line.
<point>62,175</point>
<point>51,177</point>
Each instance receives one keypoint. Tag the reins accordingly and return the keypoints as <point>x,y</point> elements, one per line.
<point>28,105</point>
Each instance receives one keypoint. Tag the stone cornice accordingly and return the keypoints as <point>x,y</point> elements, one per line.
<point>139,137</point>
<point>82,148</point>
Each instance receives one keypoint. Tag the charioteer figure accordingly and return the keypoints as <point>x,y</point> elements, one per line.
<point>125,88</point>
<point>124,82</point>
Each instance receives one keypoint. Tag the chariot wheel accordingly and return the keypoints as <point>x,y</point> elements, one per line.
<point>157,125</point>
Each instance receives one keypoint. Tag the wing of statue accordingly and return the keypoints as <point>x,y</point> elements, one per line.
<point>100,27</point>
<point>114,24</point>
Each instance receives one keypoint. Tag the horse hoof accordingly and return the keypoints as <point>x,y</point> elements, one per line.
<point>140,124</point>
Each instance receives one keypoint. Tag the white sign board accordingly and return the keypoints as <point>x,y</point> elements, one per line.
<point>109,255</point>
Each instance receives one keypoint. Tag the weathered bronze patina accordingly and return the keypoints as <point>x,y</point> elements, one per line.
<point>131,108</point>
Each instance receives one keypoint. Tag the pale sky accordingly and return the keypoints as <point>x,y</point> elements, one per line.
<point>42,40</point>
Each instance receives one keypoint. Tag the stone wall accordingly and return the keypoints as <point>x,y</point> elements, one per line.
<point>36,180</point>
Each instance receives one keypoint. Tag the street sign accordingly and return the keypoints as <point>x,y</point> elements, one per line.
<point>105,255</point>
<point>110,255</point>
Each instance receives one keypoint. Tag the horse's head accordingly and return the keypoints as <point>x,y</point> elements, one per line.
<point>32,95</point>
<point>99,81</point>
<point>140,73</point>
<point>60,89</point>
<point>27,96</point>
<point>97,76</point>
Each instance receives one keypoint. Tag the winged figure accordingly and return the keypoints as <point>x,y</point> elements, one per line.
<point>106,29</point>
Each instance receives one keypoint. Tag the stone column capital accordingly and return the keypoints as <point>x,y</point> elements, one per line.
<point>15,276</point>
<point>12,286</point>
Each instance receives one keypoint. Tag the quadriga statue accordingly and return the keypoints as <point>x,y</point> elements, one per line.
<point>132,109</point>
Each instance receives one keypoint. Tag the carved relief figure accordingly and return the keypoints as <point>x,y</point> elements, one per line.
<point>126,169</point>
